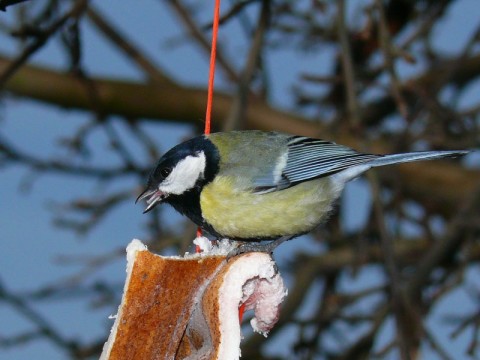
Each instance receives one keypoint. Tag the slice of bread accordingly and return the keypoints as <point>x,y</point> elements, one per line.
<point>187,308</point>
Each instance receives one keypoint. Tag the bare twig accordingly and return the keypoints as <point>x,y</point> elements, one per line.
<point>236,8</point>
<point>122,42</point>
<point>347,67</point>
<point>404,313</point>
<point>236,117</point>
<point>446,246</point>
<point>76,10</point>
<point>93,211</point>
<point>388,55</point>
<point>44,327</point>
<point>197,34</point>
<point>438,348</point>
<point>10,154</point>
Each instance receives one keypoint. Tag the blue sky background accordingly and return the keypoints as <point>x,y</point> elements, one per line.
<point>32,246</point>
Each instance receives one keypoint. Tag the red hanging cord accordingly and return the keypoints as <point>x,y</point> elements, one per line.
<point>211,80</point>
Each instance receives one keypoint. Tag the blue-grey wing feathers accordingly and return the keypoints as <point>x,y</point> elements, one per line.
<point>313,158</point>
<point>307,159</point>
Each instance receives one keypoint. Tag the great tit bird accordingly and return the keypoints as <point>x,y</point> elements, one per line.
<point>255,185</point>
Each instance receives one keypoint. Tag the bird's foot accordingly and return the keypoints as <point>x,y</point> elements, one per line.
<point>256,247</point>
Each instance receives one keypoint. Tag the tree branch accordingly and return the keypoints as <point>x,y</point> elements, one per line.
<point>120,40</point>
<point>40,40</point>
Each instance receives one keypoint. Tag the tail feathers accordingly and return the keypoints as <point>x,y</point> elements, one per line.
<point>352,172</point>
<point>414,156</point>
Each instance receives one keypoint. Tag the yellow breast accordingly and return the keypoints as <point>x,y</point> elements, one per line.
<point>235,213</point>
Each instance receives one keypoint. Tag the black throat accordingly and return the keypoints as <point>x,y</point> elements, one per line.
<point>188,203</point>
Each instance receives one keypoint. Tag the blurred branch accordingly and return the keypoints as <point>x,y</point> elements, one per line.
<point>362,348</point>
<point>5,3</point>
<point>40,39</point>
<point>234,10</point>
<point>236,117</point>
<point>435,345</point>
<point>406,319</point>
<point>347,67</point>
<point>93,211</point>
<point>309,268</point>
<point>184,104</point>
<point>463,323</point>
<point>127,46</point>
<point>43,327</point>
<point>386,45</point>
<point>427,23</point>
<point>441,73</point>
<point>135,100</point>
<point>196,33</point>
<point>447,245</point>
<point>10,154</point>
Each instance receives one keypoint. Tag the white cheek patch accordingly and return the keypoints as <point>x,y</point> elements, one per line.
<point>184,175</point>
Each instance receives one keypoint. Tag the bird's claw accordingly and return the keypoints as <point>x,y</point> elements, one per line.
<point>256,247</point>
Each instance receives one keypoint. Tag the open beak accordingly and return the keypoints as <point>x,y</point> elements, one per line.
<point>153,197</point>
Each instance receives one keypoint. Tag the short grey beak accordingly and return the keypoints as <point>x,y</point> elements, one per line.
<point>154,196</point>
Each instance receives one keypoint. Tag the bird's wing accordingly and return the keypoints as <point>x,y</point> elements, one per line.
<point>307,159</point>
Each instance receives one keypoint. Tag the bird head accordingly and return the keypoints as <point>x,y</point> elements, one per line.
<point>186,166</point>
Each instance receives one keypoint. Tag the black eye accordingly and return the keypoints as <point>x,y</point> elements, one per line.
<point>165,172</point>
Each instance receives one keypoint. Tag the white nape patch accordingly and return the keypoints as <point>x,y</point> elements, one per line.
<point>184,175</point>
<point>279,167</point>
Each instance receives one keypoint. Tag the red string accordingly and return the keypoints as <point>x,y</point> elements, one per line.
<point>213,54</point>
<point>241,311</point>
<point>211,80</point>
